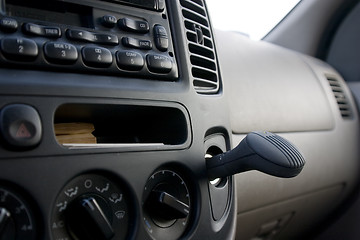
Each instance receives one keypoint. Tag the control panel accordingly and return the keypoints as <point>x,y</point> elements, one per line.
<point>100,126</point>
<point>87,36</point>
<point>91,206</point>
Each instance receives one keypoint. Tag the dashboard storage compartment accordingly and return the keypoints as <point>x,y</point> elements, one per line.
<point>108,126</point>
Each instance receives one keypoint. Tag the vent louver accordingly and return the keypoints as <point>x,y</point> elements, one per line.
<point>201,47</point>
<point>340,96</point>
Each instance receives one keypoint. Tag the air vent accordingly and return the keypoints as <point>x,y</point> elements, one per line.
<point>341,98</point>
<point>201,47</point>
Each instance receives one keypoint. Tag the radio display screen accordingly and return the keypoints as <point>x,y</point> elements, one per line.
<point>151,4</point>
<point>50,11</point>
<point>147,4</point>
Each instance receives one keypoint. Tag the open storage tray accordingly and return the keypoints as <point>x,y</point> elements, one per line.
<point>126,125</point>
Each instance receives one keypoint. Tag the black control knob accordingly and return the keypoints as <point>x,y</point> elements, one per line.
<point>16,218</point>
<point>7,228</point>
<point>166,205</point>
<point>262,151</point>
<point>89,217</point>
<point>92,207</point>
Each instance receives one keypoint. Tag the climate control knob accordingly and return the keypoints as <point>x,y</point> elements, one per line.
<point>7,229</point>
<point>91,207</point>
<point>16,219</point>
<point>89,217</point>
<point>166,205</point>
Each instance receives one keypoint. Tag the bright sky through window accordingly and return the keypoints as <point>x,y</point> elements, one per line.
<point>255,18</point>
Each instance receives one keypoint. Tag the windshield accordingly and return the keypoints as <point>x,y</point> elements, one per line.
<point>254,18</point>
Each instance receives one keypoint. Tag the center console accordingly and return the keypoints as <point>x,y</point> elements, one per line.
<point>107,111</point>
<point>88,37</point>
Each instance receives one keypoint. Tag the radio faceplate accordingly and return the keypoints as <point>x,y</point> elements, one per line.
<point>90,36</point>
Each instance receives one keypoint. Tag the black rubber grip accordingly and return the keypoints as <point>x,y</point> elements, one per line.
<point>262,151</point>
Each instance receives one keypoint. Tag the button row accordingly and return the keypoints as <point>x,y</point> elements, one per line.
<point>11,25</point>
<point>126,24</point>
<point>22,49</point>
<point>110,39</point>
<point>160,33</point>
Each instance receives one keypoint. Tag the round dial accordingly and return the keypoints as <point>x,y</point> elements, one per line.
<point>90,207</point>
<point>166,205</point>
<point>16,219</point>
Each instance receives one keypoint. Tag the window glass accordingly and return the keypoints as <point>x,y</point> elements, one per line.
<point>254,18</point>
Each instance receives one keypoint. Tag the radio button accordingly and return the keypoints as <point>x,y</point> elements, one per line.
<point>80,35</point>
<point>136,43</point>
<point>160,5</point>
<point>8,24</point>
<point>86,36</point>
<point>161,38</point>
<point>160,31</point>
<point>52,32</point>
<point>60,52</point>
<point>108,39</point>
<point>34,29</point>
<point>20,49</point>
<point>162,44</point>
<point>129,60</point>
<point>145,44</point>
<point>158,63</point>
<point>108,21</point>
<point>97,56</point>
<point>131,25</point>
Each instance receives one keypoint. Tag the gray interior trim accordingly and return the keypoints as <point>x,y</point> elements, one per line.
<point>343,53</point>
<point>309,117</point>
<point>272,85</point>
<point>302,29</point>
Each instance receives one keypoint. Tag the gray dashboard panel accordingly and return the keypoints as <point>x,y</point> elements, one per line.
<point>270,88</point>
<point>275,89</point>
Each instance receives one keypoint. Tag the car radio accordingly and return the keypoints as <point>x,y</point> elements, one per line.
<point>129,38</point>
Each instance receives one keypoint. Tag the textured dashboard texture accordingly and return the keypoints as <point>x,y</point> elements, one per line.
<point>271,88</point>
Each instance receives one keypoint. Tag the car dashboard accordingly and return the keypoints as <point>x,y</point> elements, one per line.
<point>110,111</point>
